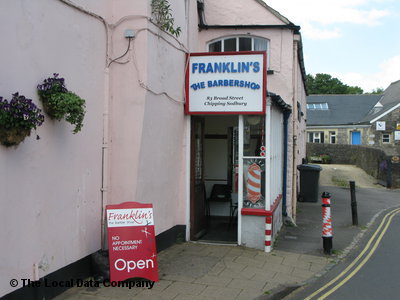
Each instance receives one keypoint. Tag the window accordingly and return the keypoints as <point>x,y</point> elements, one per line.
<point>254,162</point>
<point>215,47</point>
<point>332,137</point>
<point>230,44</point>
<point>245,44</point>
<point>240,43</point>
<point>386,138</point>
<point>316,137</point>
<point>317,106</point>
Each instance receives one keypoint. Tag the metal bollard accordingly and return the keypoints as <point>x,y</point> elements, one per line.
<point>354,214</point>
<point>327,223</point>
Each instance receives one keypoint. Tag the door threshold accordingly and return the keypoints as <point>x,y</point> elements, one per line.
<point>220,243</point>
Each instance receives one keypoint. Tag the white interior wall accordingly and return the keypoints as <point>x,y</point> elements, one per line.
<point>216,158</point>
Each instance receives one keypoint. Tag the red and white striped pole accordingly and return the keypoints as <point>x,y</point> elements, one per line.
<point>268,233</point>
<point>327,223</point>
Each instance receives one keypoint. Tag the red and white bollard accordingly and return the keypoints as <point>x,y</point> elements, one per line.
<point>327,223</point>
<point>268,233</point>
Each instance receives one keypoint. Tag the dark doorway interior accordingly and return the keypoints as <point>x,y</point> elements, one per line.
<point>221,230</point>
<point>214,167</point>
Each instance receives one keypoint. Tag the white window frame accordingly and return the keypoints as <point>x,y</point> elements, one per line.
<point>315,135</point>
<point>237,43</point>
<point>332,134</point>
<point>318,106</point>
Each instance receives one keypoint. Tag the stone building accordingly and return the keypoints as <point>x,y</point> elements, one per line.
<point>369,120</point>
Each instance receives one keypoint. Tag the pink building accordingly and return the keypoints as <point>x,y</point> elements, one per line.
<point>137,142</point>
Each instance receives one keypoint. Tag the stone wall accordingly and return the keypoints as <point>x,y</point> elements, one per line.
<point>372,160</point>
<point>395,175</point>
<point>391,120</point>
<point>343,134</point>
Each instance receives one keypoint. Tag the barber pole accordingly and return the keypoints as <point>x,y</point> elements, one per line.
<point>254,183</point>
<point>327,223</point>
<point>268,233</point>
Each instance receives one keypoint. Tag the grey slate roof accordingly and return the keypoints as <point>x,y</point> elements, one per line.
<point>343,109</point>
<point>391,98</point>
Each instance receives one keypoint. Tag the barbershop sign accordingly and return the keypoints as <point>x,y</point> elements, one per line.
<point>226,83</point>
<point>131,241</point>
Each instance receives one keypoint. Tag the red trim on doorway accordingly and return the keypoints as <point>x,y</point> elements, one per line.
<point>261,212</point>
<point>255,212</point>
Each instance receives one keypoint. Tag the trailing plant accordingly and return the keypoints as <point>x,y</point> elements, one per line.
<point>161,11</point>
<point>321,158</point>
<point>17,118</point>
<point>326,159</point>
<point>59,103</point>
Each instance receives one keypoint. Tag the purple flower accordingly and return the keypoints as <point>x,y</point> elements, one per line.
<point>20,112</point>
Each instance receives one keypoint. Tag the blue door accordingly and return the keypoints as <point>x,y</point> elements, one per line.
<point>355,138</point>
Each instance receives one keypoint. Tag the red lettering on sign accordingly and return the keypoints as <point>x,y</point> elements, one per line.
<point>135,215</point>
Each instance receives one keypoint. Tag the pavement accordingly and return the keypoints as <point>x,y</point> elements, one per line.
<point>208,271</point>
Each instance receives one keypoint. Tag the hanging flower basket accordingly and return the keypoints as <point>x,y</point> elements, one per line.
<point>59,103</point>
<point>17,118</point>
<point>13,136</point>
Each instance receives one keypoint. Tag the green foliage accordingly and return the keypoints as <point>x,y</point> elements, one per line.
<point>68,106</point>
<point>337,252</point>
<point>267,292</point>
<point>161,11</point>
<point>338,181</point>
<point>60,104</point>
<point>354,90</point>
<point>320,158</point>
<point>326,84</point>
<point>326,159</point>
<point>377,91</point>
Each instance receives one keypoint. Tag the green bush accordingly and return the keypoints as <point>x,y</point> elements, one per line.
<point>59,103</point>
<point>326,159</point>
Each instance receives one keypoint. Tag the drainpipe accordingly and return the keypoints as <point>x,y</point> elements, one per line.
<point>296,39</point>
<point>286,116</point>
<point>105,156</point>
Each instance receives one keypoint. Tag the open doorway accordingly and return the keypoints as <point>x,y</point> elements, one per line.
<point>214,178</point>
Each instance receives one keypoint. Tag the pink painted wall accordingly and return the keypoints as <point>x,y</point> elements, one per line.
<point>147,123</point>
<point>50,188</point>
<point>231,12</point>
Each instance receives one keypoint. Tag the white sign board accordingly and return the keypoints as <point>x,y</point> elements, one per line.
<point>130,217</point>
<point>226,83</point>
<point>380,125</point>
<point>397,135</point>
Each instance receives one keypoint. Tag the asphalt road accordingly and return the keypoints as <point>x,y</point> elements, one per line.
<point>379,277</point>
<point>306,237</point>
<point>370,271</point>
